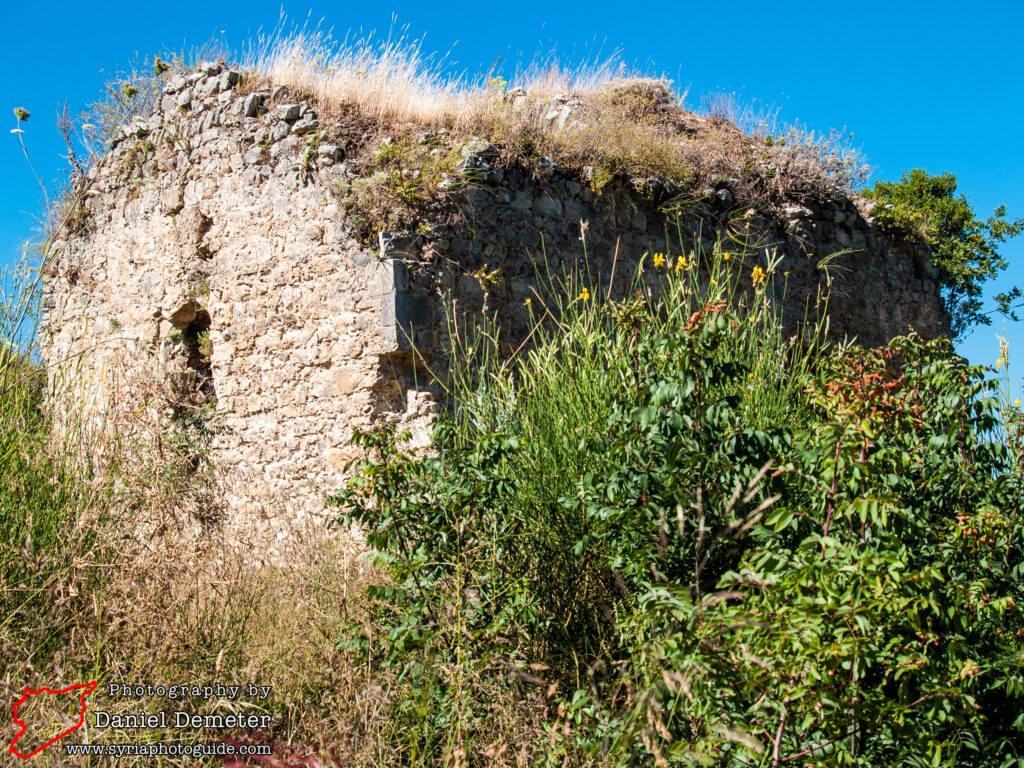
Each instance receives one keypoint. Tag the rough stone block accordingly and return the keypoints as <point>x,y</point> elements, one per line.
<point>304,126</point>
<point>330,152</point>
<point>229,80</point>
<point>279,131</point>
<point>545,205</point>
<point>399,245</point>
<point>254,104</point>
<point>288,112</point>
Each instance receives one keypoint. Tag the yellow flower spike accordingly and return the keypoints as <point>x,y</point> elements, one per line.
<point>584,295</point>
<point>659,260</point>
<point>680,264</point>
<point>757,277</point>
<point>725,256</point>
<point>1016,403</point>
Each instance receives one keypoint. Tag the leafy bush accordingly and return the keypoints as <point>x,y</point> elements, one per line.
<point>678,538</point>
<point>664,535</point>
<point>868,615</point>
<point>964,248</point>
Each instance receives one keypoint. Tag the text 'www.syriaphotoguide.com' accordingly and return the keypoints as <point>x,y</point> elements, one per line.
<point>167,749</point>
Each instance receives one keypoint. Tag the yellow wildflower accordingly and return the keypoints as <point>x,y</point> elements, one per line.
<point>584,295</point>
<point>659,260</point>
<point>680,264</point>
<point>527,302</point>
<point>725,256</point>
<point>1004,352</point>
<point>757,277</point>
<point>1016,403</point>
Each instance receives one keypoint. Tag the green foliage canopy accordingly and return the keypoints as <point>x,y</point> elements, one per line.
<point>964,247</point>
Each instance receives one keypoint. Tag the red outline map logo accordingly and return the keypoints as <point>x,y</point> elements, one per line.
<point>87,688</point>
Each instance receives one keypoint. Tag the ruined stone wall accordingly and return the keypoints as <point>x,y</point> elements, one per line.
<point>214,275</point>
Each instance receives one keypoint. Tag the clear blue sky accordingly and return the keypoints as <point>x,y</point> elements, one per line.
<point>936,85</point>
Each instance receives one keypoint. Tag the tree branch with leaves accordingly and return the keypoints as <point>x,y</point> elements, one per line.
<point>965,249</point>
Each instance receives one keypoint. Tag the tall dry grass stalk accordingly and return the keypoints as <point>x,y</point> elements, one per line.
<point>390,79</point>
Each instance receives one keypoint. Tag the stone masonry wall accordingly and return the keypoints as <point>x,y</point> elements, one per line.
<point>214,266</point>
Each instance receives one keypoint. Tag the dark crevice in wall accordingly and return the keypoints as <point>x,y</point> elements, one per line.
<point>190,379</point>
<point>196,337</point>
<point>397,374</point>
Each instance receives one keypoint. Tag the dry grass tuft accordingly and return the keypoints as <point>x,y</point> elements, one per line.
<point>391,80</point>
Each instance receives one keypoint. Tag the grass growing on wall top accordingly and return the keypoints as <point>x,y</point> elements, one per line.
<point>620,120</point>
<point>615,122</point>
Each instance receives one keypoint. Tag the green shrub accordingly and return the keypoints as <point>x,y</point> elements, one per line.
<point>964,248</point>
<point>682,540</point>
<point>857,606</point>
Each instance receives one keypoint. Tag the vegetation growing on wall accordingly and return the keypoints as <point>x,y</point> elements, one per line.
<point>596,118</point>
<point>592,121</point>
<point>402,182</point>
